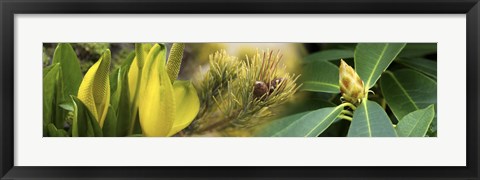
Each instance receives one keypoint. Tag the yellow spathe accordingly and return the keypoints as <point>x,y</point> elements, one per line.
<point>94,91</point>
<point>164,108</point>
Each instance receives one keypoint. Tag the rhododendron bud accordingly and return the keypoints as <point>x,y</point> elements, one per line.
<point>351,86</point>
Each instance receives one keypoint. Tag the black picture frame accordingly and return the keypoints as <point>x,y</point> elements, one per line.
<point>9,8</point>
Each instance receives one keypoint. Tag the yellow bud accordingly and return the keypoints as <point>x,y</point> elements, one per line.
<point>351,86</point>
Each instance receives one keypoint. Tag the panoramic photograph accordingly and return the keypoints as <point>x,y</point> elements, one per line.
<point>222,89</point>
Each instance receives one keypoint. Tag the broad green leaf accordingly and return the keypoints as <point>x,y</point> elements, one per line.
<point>370,120</point>
<point>270,129</point>
<point>416,123</point>
<point>328,55</point>
<point>109,128</point>
<point>187,105</point>
<point>371,59</point>
<point>305,101</point>
<point>320,77</point>
<point>94,91</point>
<point>407,90</point>
<point>84,123</point>
<point>49,84</point>
<point>413,50</point>
<point>308,124</point>
<point>72,75</point>
<point>156,105</point>
<point>425,66</point>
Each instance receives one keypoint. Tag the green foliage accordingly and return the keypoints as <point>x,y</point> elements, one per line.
<point>66,57</point>
<point>320,76</point>
<point>49,103</point>
<point>306,124</point>
<point>371,59</point>
<point>84,123</point>
<point>406,92</point>
<point>422,65</point>
<point>370,120</point>
<point>416,123</point>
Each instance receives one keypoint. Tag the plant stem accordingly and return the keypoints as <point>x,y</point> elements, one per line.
<point>384,104</point>
<point>134,108</point>
<point>347,112</point>
<point>348,118</point>
<point>349,105</point>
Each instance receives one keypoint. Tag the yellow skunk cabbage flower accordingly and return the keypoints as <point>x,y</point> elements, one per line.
<point>187,105</point>
<point>134,68</point>
<point>94,91</point>
<point>351,86</point>
<point>164,108</point>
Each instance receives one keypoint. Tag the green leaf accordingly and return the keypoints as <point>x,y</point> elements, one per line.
<point>49,81</point>
<point>110,126</point>
<point>370,120</point>
<point>416,123</point>
<point>320,77</point>
<point>66,106</point>
<point>123,106</point>
<point>407,90</point>
<point>120,96</point>
<point>72,76</point>
<point>371,59</point>
<point>97,130</point>
<point>113,83</point>
<point>48,69</point>
<point>62,133</point>
<point>84,123</point>
<point>413,50</point>
<point>307,124</point>
<point>60,114</point>
<point>425,66</point>
<point>328,55</point>
<point>54,132</point>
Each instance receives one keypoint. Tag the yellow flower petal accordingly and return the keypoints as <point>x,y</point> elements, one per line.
<point>156,102</point>
<point>94,91</point>
<point>187,105</point>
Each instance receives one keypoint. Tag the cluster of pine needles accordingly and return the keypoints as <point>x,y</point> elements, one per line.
<point>239,93</point>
